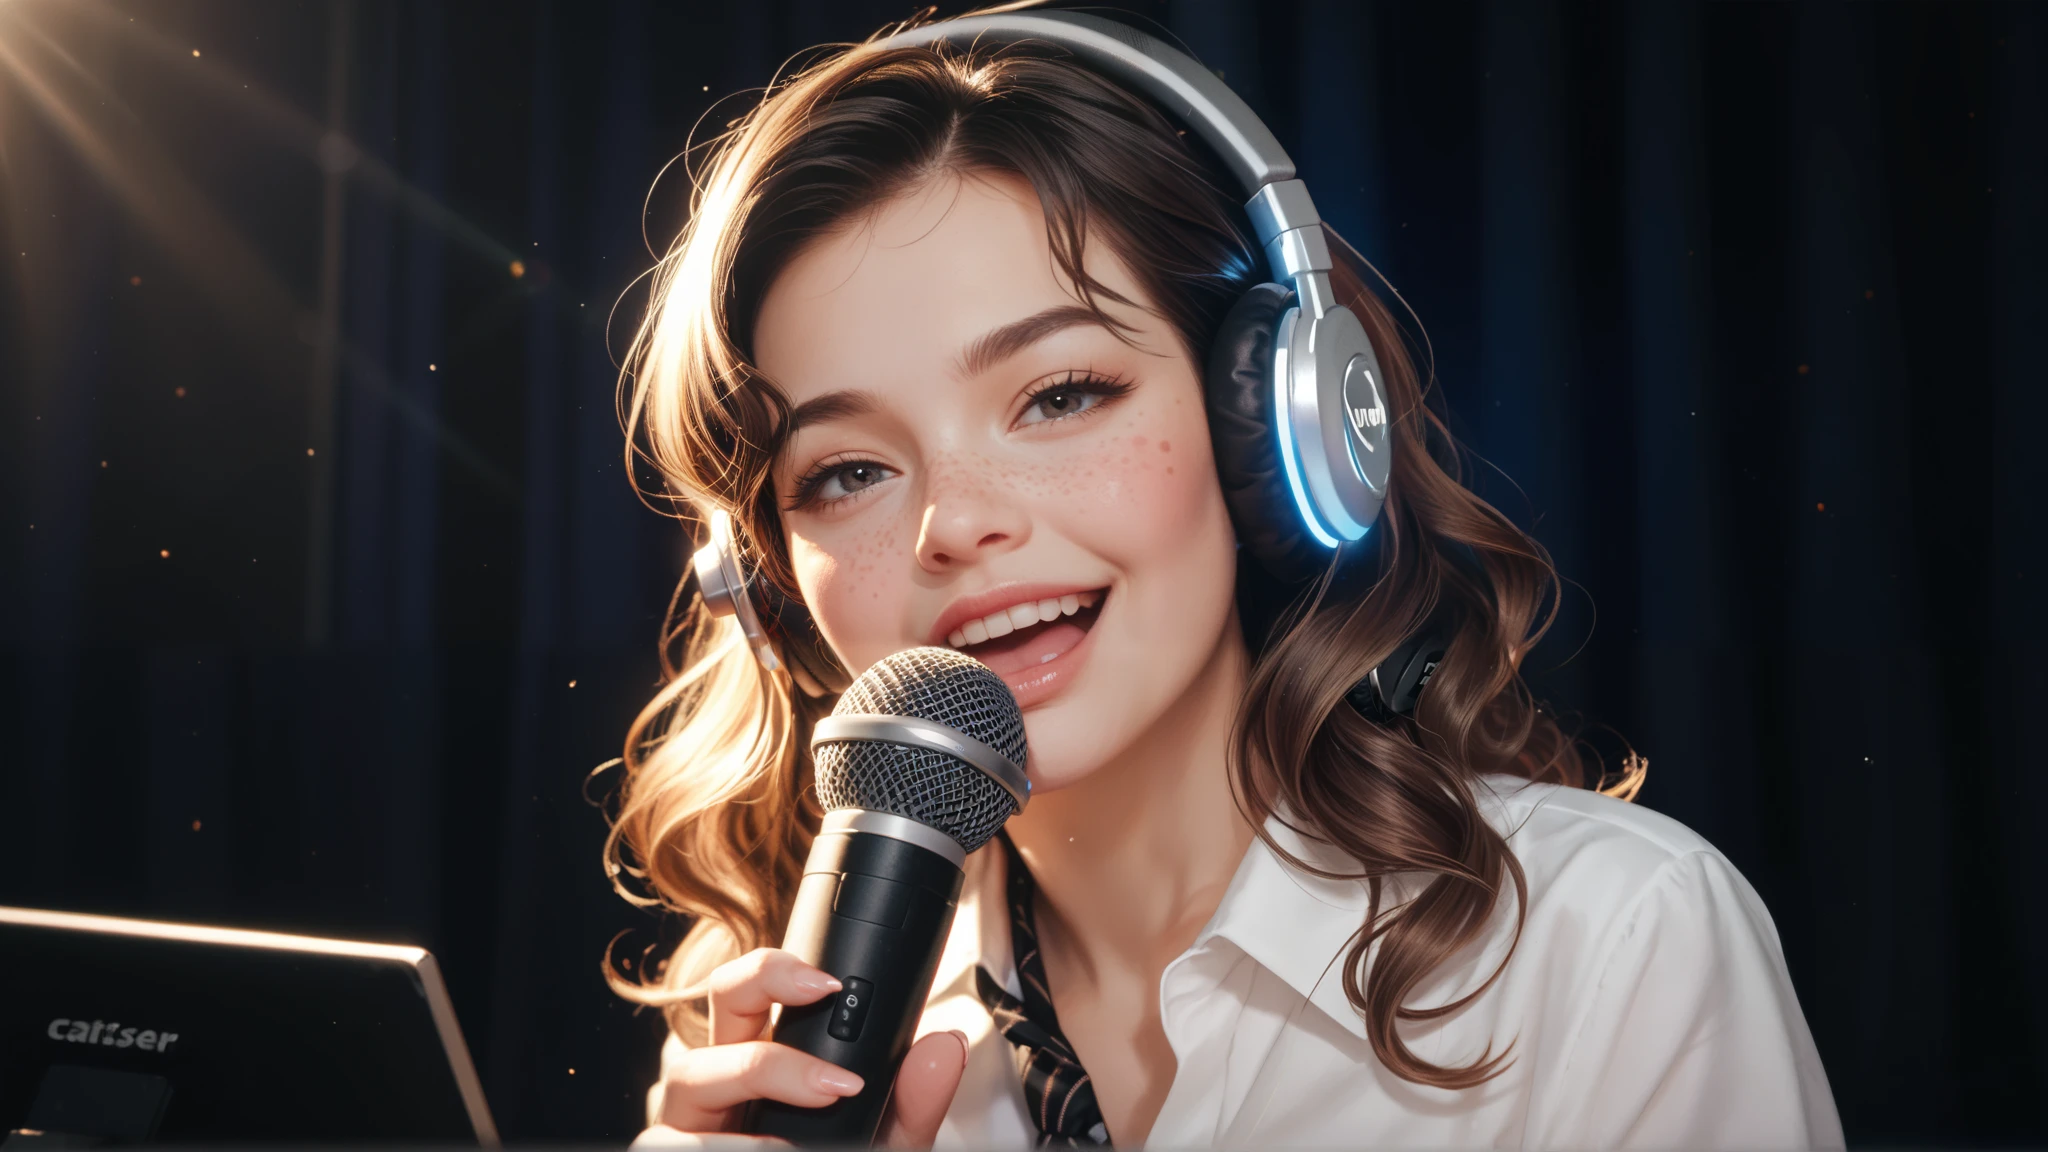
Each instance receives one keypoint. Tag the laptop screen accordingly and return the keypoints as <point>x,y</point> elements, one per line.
<point>118,1029</point>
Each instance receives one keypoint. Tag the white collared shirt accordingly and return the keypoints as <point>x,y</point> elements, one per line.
<point>1647,1003</point>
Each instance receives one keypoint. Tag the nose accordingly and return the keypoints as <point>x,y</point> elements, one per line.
<point>967,519</point>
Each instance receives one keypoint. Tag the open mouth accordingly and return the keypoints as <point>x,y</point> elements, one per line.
<point>1024,636</point>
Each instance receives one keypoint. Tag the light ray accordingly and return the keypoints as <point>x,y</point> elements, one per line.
<point>170,208</point>
<point>301,132</point>
<point>367,372</point>
<point>122,150</point>
<point>78,70</point>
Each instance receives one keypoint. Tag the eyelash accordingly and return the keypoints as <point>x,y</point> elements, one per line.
<point>1084,383</point>
<point>806,494</point>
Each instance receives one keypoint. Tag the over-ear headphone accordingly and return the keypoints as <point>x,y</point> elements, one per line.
<point>795,644</point>
<point>1297,410</point>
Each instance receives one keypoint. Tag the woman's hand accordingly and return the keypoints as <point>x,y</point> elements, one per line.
<point>706,1088</point>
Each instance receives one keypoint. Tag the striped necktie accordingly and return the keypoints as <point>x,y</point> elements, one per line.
<point>1058,1093</point>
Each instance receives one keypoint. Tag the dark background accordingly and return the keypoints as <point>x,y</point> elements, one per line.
<point>323,591</point>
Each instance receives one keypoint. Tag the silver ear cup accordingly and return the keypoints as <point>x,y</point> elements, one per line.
<point>1330,401</point>
<point>1331,417</point>
<point>725,590</point>
<point>1344,450</point>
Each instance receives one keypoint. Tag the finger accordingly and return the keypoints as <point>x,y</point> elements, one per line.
<point>743,990</point>
<point>663,1136</point>
<point>924,1090</point>
<point>704,1085</point>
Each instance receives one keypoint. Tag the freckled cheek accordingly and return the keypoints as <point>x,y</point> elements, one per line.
<point>1153,492</point>
<point>853,585</point>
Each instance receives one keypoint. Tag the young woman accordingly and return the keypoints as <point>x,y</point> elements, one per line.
<point>936,340</point>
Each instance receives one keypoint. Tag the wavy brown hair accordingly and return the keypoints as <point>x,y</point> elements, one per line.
<point>715,811</point>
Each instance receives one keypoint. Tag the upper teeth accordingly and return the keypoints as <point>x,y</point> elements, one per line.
<point>1019,616</point>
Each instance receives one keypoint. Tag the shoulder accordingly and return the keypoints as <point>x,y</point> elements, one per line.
<point>1608,880</point>
<point>1653,970</point>
<point>1639,982</point>
<point>1584,851</point>
<point>1563,820</point>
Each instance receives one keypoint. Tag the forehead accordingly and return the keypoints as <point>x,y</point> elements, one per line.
<point>899,291</point>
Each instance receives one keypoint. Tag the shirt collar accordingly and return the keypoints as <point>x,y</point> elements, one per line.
<point>1297,925</point>
<point>981,928</point>
<point>1301,926</point>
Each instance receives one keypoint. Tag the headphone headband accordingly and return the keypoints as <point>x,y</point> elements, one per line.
<point>1281,212</point>
<point>1159,70</point>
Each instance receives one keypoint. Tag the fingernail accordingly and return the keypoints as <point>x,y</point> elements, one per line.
<point>962,1037</point>
<point>816,981</point>
<point>836,1079</point>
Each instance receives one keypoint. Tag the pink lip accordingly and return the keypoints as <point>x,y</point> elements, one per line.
<point>1039,683</point>
<point>1001,596</point>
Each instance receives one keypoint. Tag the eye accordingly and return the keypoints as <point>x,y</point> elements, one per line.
<point>847,479</point>
<point>834,481</point>
<point>1071,395</point>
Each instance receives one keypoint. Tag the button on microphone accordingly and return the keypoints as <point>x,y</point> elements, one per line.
<point>851,1009</point>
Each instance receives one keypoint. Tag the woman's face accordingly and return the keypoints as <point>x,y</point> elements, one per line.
<point>976,462</point>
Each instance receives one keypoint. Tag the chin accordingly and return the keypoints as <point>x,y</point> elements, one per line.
<point>1061,755</point>
<point>1102,715</point>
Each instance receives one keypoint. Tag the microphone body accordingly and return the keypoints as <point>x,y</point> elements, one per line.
<point>875,911</point>
<point>920,763</point>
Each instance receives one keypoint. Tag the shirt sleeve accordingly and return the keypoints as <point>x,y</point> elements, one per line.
<point>1691,1036</point>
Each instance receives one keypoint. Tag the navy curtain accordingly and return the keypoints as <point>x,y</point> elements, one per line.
<point>324,592</point>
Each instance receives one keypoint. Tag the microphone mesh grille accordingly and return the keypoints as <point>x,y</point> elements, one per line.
<point>932,788</point>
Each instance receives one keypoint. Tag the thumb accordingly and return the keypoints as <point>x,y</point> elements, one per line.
<point>924,1090</point>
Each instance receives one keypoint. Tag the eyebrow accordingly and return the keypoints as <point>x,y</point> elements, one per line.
<point>999,344</point>
<point>982,353</point>
<point>838,405</point>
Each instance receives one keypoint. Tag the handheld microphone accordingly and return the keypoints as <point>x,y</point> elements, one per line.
<point>919,764</point>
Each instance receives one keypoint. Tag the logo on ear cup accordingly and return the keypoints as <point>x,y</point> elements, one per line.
<point>1363,405</point>
<point>1366,423</point>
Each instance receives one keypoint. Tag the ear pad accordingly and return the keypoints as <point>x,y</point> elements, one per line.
<point>1239,383</point>
<point>1393,688</point>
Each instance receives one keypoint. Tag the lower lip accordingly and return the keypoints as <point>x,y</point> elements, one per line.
<point>1039,683</point>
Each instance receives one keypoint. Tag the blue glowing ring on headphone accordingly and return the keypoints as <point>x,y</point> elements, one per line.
<point>1283,426</point>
